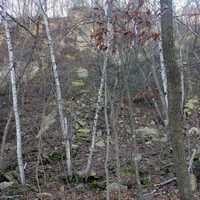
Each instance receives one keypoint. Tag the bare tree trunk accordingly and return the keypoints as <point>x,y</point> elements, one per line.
<point>108,138</point>
<point>19,7</point>
<point>14,97</point>
<point>162,96</point>
<point>136,153</point>
<point>158,110</point>
<point>132,127</point>
<point>163,68</point>
<point>174,97</point>
<point>115,115</point>
<point>108,42</point>
<point>98,107</point>
<point>54,8</point>
<point>45,5</point>
<point>67,146</point>
<point>63,122</point>
<point>182,80</point>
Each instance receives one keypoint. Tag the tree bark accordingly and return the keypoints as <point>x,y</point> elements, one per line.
<point>174,99</point>
<point>63,119</point>
<point>108,138</point>
<point>14,97</point>
<point>109,36</point>
<point>162,66</point>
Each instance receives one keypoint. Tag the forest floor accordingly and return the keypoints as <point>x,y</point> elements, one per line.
<point>45,160</point>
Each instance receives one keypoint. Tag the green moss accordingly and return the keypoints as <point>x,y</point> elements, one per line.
<point>191,105</point>
<point>94,184</point>
<point>78,83</point>
<point>127,171</point>
<point>146,180</point>
<point>56,156</point>
<point>75,179</point>
<point>82,134</point>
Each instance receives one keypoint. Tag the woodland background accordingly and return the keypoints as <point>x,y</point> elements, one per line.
<point>87,96</point>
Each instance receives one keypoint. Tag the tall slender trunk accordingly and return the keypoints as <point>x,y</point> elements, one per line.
<point>161,93</point>
<point>63,121</point>
<point>135,156</point>
<point>132,128</point>
<point>162,67</point>
<point>108,14</point>
<point>115,117</point>
<point>96,117</point>
<point>107,138</point>
<point>182,79</point>
<point>14,97</point>
<point>174,97</point>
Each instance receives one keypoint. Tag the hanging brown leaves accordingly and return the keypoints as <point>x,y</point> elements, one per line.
<point>124,23</point>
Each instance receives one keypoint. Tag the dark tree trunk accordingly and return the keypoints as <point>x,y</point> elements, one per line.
<point>174,91</point>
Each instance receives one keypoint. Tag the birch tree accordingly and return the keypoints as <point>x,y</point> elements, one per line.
<point>14,94</point>
<point>108,15</point>
<point>163,69</point>
<point>63,119</point>
<point>163,75</point>
<point>162,64</point>
<point>107,138</point>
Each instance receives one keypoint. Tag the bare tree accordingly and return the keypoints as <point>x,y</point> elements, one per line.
<point>63,120</point>
<point>174,96</point>
<point>14,94</point>
<point>135,153</point>
<point>108,14</point>
<point>162,66</point>
<point>108,137</point>
<point>115,117</point>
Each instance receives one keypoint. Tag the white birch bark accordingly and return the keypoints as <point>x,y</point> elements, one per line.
<point>162,97</point>
<point>14,96</point>
<point>67,147</point>
<point>58,90</point>
<point>108,38</point>
<point>156,79</point>
<point>96,117</point>
<point>162,65</point>
<point>163,72</point>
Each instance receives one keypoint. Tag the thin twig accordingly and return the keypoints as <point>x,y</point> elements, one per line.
<point>5,133</point>
<point>18,23</point>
